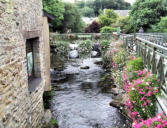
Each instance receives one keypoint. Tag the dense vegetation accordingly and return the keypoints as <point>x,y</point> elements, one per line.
<point>67,16</point>
<point>92,8</point>
<point>56,8</point>
<point>148,14</point>
<point>145,13</point>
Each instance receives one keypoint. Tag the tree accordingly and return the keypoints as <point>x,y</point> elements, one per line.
<point>125,24</point>
<point>56,8</point>
<point>108,18</point>
<point>161,26</point>
<point>72,19</point>
<point>110,4</point>
<point>87,12</point>
<point>93,28</point>
<point>98,5</point>
<point>145,13</point>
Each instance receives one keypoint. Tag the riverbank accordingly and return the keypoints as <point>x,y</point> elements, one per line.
<point>135,88</point>
<point>114,64</point>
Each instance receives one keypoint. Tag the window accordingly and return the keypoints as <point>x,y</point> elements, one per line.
<point>30,60</point>
<point>33,63</point>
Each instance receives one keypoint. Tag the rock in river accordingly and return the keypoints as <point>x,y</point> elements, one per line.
<point>73,54</point>
<point>85,67</point>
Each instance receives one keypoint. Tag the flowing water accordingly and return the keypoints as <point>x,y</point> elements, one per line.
<point>80,101</point>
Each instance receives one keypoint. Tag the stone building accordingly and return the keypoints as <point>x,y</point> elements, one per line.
<point>24,63</point>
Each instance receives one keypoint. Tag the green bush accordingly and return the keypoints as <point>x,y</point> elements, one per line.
<point>107,59</point>
<point>108,18</point>
<point>105,45</point>
<point>62,48</point>
<point>161,26</point>
<point>135,65</point>
<point>119,58</point>
<point>85,48</point>
<point>108,29</point>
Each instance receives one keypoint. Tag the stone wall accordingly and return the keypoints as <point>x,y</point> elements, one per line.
<point>45,35</point>
<point>19,20</point>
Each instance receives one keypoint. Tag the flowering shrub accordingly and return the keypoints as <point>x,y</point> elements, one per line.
<point>119,58</point>
<point>159,121</point>
<point>142,95</point>
<point>105,45</point>
<point>142,90</point>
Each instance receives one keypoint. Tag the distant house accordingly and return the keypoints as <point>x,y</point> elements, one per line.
<point>122,12</point>
<point>88,20</point>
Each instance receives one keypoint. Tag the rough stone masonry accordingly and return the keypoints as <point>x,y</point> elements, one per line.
<point>19,107</point>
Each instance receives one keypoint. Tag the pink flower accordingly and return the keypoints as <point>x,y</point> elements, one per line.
<point>144,104</point>
<point>164,122</point>
<point>149,93</point>
<point>148,122</point>
<point>134,113</point>
<point>159,126</point>
<point>137,82</point>
<point>142,98</point>
<point>148,101</point>
<point>142,92</point>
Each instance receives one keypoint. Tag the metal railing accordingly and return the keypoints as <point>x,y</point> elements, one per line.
<point>154,55</point>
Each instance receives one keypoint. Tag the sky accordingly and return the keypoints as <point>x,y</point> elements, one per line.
<point>130,1</point>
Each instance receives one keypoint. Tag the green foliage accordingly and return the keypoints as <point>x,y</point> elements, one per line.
<point>87,12</point>
<point>62,48</point>
<point>106,59</point>
<point>98,5</point>
<point>119,58</point>
<point>145,13</point>
<point>125,24</point>
<point>105,45</point>
<point>72,19</point>
<point>56,8</point>
<point>135,65</point>
<point>54,122</point>
<point>85,48</point>
<point>161,26</point>
<point>108,29</point>
<point>108,18</point>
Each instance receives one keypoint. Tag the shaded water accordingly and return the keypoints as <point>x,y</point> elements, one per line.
<point>80,102</point>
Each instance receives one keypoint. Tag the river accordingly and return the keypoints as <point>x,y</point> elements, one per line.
<point>80,101</point>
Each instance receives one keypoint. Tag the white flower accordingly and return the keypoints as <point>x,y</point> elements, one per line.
<point>159,117</point>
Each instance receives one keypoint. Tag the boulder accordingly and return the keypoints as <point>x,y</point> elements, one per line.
<point>47,116</point>
<point>116,104</point>
<point>117,91</point>
<point>85,67</point>
<point>73,54</point>
<point>73,46</point>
